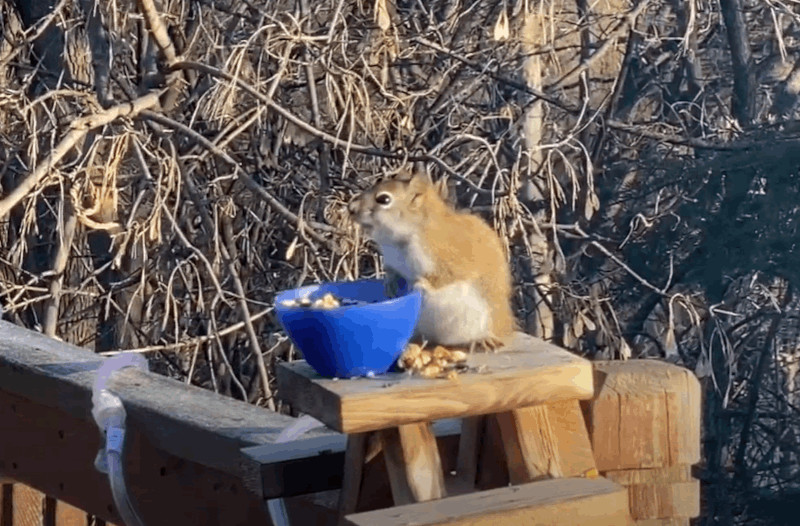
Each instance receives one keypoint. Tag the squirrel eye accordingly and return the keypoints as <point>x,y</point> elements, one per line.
<point>383,199</point>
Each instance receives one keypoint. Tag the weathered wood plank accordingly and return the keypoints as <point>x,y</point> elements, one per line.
<point>54,453</point>
<point>29,507</point>
<point>575,455</point>
<point>664,501</point>
<point>556,502</point>
<point>187,421</point>
<point>413,463</point>
<point>22,505</point>
<point>660,493</point>
<point>546,441</point>
<point>646,414</point>
<point>626,477</point>
<point>529,371</point>
<point>67,515</point>
<point>44,448</point>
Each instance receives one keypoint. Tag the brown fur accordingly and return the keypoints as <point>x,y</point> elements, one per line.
<point>462,246</point>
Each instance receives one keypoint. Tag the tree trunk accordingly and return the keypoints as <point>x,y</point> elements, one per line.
<point>743,105</point>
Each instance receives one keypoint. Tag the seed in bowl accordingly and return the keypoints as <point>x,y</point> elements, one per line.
<point>328,301</point>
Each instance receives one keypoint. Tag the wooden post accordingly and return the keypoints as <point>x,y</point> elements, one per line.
<point>645,414</point>
<point>660,493</point>
<point>644,423</point>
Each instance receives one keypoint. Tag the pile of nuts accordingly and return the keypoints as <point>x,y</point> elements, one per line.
<point>437,363</point>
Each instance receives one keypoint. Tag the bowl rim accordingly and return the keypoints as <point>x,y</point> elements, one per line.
<point>388,301</point>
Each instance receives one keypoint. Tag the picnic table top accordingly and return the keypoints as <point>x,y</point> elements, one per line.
<point>528,371</point>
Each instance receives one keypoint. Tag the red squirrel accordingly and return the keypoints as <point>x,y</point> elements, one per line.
<point>453,257</point>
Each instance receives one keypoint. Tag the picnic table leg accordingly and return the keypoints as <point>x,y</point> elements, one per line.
<point>354,457</point>
<point>413,463</point>
<point>468,449</point>
<point>492,468</point>
<point>546,441</point>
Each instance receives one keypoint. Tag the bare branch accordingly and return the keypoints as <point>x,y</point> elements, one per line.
<point>66,236</point>
<point>744,80</point>
<point>611,40</point>
<point>157,29</point>
<point>78,130</point>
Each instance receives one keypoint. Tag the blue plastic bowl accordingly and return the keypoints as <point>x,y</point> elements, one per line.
<point>352,340</point>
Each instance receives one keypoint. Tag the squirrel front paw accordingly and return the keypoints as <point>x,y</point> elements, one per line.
<point>391,284</point>
<point>423,285</point>
<point>391,288</point>
<point>490,343</point>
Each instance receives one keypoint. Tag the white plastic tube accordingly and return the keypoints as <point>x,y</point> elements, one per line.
<point>109,413</point>
<point>304,424</point>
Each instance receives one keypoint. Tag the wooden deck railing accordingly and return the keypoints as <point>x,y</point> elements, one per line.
<point>195,457</point>
<point>184,456</point>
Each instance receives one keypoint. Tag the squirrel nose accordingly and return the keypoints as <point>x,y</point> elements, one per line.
<point>352,207</point>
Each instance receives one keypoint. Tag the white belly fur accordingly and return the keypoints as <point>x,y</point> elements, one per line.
<point>409,260</point>
<point>453,315</point>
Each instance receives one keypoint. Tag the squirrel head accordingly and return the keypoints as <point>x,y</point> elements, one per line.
<point>396,209</point>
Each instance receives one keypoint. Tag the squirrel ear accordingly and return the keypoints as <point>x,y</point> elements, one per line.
<point>417,186</point>
<point>442,189</point>
<point>420,180</point>
<point>416,200</point>
<point>404,176</point>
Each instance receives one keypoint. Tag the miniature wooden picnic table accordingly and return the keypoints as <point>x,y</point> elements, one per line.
<point>531,388</point>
